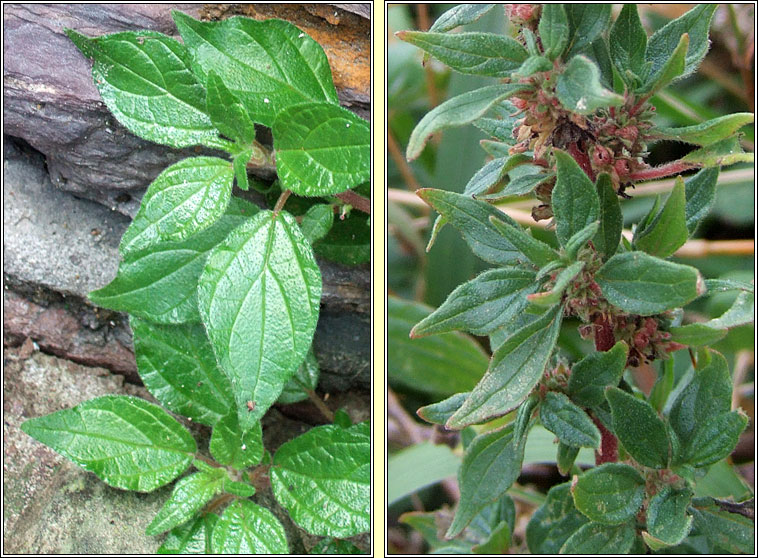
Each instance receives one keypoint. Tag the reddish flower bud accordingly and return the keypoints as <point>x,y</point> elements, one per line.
<point>522,12</point>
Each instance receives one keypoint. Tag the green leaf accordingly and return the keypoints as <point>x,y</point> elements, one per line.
<point>580,238</point>
<point>144,79</point>
<point>481,305</point>
<point>178,367</point>
<point>533,65</point>
<point>127,442</point>
<point>268,65</point>
<point>714,439</point>
<point>642,284</point>
<point>230,445</point>
<point>553,522</point>
<point>574,199</point>
<point>458,111</point>
<point>191,538</point>
<point>321,149</point>
<point>524,422</point>
<point>707,132</point>
<point>606,241</point>
<point>562,282</point>
<point>536,251</point>
<point>239,163</point>
<point>472,218</point>
<point>317,222</point>
<point>160,284</point>
<point>241,489</point>
<point>598,538</point>
<point>639,429</point>
<point>189,496</point>
<point>663,43</point>
<point>439,413</point>
<point>486,178</point>
<point>440,365</point>
<point>730,531</point>
<point>554,30</point>
<point>700,191</point>
<point>498,123</point>
<point>476,53</point>
<point>723,285</point>
<point>721,153</point>
<point>419,466</point>
<point>579,89</point>
<point>490,466</point>
<point>228,115</point>
<point>519,186</point>
<point>498,541</point>
<point>667,518</point>
<point>586,23</point>
<point>306,378</point>
<point>610,494</point>
<point>708,394</point>
<point>741,312</point>
<point>463,14</point>
<point>565,458</point>
<point>348,241</point>
<point>696,335</point>
<point>590,376</point>
<point>568,422</point>
<point>259,298</point>
<point>247,528</point>
<point>627,43</point>
<point>323,479</point>
<point>514,370</point>
<point>335,546</point>
<point>671,70</point>
<point>183,200</point>
<point>667,232</point>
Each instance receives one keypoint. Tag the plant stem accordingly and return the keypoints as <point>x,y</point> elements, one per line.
<point>661,171</point>
<point>207,460</point>
<point>281,201</point>
<point>219,501</point>
<point>604,341</point>
<point>397,155</point>
<point>320,405</point>
<point>356,200</point>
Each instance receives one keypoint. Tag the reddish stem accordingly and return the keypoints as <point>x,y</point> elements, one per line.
<point>356,200</point>
<point>659,172</point>
<point>604,341</point>
<point>582,159</point>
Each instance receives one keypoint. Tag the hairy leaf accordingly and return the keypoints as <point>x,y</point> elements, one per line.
<point>189,496</point>
<point>667,518</point>
<point>598,538</point>
<point>586,23</point>
<point>568,422</point>
<point>700,191</point>
<point>463,14</point>
<point>306,378</point>
<point>639,429</point>
<point>574,199</point>
<point>607,239</point>
<point>672,69</point>
<point>439,413</point>
<point>590,376</point>
<point>730,531</point>
<point>194,537</point>
<point>247,528</point>
<point>707,132</point>
<point>554,30</point>
<point>579,89</point>
<point>230,445</point>
<point>724,152</point>
<point>554,521</point>
<point>667,231</point>
<point>536,251</point>
<point>228,115</point>
<point>714,439</point>
<point>627,41</point>
<point>610,494</point>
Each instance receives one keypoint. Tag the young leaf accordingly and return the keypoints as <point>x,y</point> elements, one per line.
<point>186,198</point>
<point>562,281</point>
<point>663,43</point>
<point>606,241</point>
<point>514,370</point>
<point>609,494</point>
<point>178,367</point>
<point>321,149</point>
<point>228,115</point>
<point>667,232</point>
<point>533,65</point>
<point>579,89</point>
<point>260,331</point>
<point>565,458</point>
<point>707,395</point>
<point>639,429</point>
<point>673,68</point>
<point>460,110</point>
<point>323,479</point>
<point>714,439</point>
<point>126,441</point>
<point>627,43</point>
<point>247,528</point>
<point>317,222</point>
<point>144,79</point>
<point>160,283</point>
<point>700,191</point>
<point>477,53</point>
<point>239,163</point>
<point>472,218</point>
<point>229,445</point>
<point>553,522</point>
<point>189,496</point>
<point>481,305</point>
<point>486,178</point>
<point>575,201</point>
<point>586,23</point>
<point>306,378</point>
<point>554,30</point>
<point>193,537</point>
<point>462,14</point>
<point>268,65</point>
<point>439,413</point>
<point>598,538</point>
<point>536,251</point>
<point>667,518</point>
<point>580,238</point>
<point>590,376</point>
<point>707,132</point>
<point>721,153</point>
<point>490,466</point>
<point>568,422</point>
<point>730,531</point>
<point>642,284</point>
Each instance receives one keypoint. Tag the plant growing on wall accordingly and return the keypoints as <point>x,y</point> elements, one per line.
<point>224,296</point>
<point>570,122</point>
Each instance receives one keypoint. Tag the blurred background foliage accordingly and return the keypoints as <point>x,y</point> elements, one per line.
<point>423,460</point>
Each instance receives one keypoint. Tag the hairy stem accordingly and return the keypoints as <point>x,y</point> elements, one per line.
<point>659,172</point>
<point>219,501</point>
<point>320,405</point>
<point>281,201</point>
<point>356,200</point>
<point>604,341</point>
